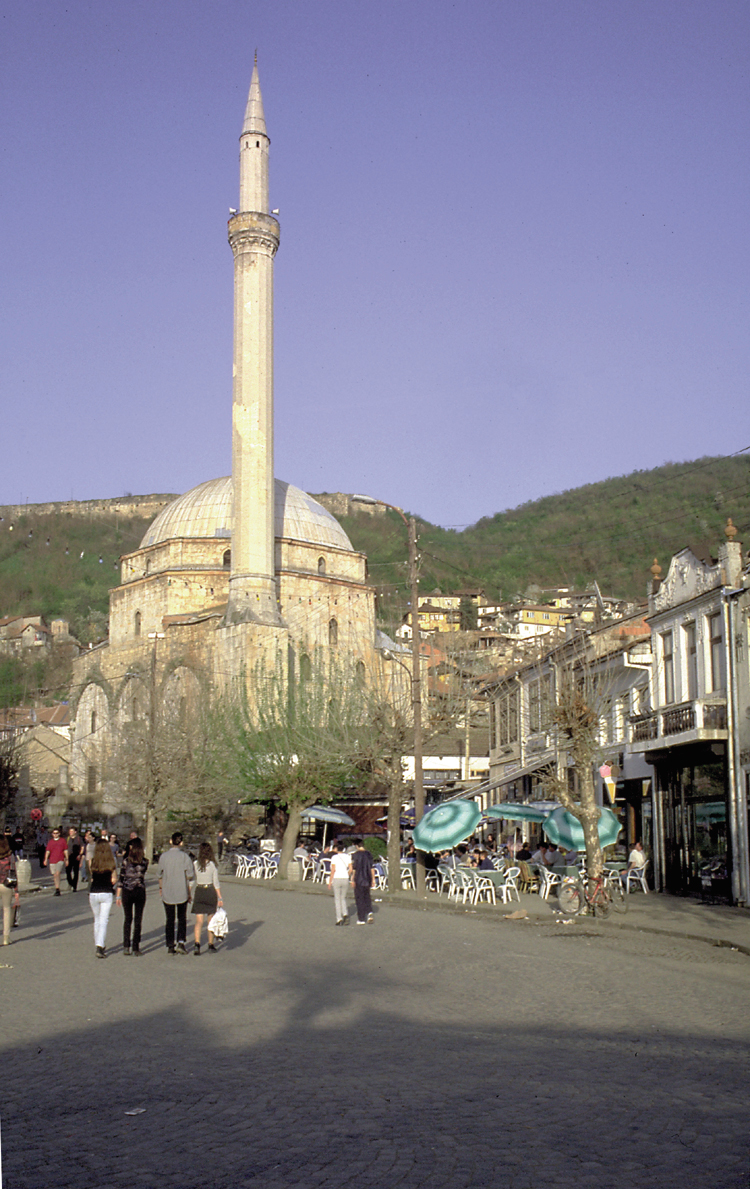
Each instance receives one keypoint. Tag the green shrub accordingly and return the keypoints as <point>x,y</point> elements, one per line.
<point>376,847</point>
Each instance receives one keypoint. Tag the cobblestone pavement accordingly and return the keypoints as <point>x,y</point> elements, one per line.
<point>425,1050</point>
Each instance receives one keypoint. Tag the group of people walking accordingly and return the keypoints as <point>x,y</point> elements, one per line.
<point>355,869</point>
<point>180,881</point>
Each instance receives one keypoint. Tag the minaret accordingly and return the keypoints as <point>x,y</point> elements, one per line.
<point>254,238</point>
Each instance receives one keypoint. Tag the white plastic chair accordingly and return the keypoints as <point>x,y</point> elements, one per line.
<point>407,876</point>
<point>510,887</point>
<point>637,876</point>
<point>547,881</point>
<point>484,888</point>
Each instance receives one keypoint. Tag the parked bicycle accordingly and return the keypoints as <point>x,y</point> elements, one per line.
<point>576,894</point>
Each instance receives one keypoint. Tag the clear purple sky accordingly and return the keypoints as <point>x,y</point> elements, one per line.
<point>514,242</point>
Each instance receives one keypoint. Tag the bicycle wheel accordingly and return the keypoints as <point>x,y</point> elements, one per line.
<point>618,897</point>
<point>570,898</point>
<point>601,902</point>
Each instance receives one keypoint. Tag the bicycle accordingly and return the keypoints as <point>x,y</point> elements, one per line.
<point>597,894</point>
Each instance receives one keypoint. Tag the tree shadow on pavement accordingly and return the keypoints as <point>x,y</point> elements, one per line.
<point>306,1074</point>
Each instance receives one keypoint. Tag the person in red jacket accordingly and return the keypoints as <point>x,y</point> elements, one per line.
<point>55,856</point>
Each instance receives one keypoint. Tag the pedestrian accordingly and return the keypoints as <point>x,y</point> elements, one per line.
<point>223,843</point>
<point>338,879</point>
<point>8,887</point>
<point>207,897</point>
<point>131,838</point>
<point>74,846</point>
<point>89,844</point>
<point>101,891</point>
<point>42,838</point>
<point>363,877</point>
<point>55,855</point>
<point>114,846</point>
<point>18,844</point>
<point>131,894</point>
<point>175,874</point>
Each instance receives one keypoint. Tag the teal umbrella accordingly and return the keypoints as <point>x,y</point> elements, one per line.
<point>510,812</point>
<point>446,825</point>
<point>565,830</point>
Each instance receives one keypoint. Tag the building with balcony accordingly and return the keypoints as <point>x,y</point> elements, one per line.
<point>695,734</point>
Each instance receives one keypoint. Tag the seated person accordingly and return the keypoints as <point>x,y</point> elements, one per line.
<point>571,858</point>
<point>553,856</point>
<point>540,854</point>
<point>485,863</point>
<point>301,851</point>
<point>636,861</point>
<point>462,856</point>
<point>524,854</point>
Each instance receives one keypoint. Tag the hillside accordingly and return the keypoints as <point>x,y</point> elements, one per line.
<point>63,564</point>
<point>609,531</point>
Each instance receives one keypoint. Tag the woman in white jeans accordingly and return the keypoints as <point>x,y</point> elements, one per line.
<point>338,880</point>
<point>103,877</point>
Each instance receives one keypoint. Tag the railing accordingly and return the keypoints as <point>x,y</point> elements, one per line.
<point>678,719</point>
<point>644,727</point>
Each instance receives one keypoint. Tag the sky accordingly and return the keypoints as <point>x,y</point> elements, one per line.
<point>514,243</point>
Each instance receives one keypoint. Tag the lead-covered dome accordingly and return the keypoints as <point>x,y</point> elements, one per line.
<point>206,511</point>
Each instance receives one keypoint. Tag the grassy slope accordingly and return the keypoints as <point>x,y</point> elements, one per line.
<point>610,531</point>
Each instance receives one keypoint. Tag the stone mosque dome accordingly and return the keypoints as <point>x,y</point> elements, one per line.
<point>206,511</point>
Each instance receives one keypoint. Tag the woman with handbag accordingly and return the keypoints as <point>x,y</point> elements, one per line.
<point>8,887</point>
<point>206,895</point>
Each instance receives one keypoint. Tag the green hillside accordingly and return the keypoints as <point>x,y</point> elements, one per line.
<point>608,531</point>
<point>55,565</point>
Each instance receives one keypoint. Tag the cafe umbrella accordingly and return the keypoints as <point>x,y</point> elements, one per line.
<point>446,825</point>
<point>511,811</point>
<point>566,831</point>
<point>329,816</point>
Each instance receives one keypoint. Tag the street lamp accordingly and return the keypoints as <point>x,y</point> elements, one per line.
<point>416,684</point>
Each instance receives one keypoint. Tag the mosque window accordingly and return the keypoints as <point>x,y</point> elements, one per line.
<point>227,559</point>
<point>137,623</point>
<point>333,632</point>
<point>91,780</point>
<point>305,668</point>
<point>93,721</point>
<point>321,565</point>
<point>360,672</point>
<point>257,144</point>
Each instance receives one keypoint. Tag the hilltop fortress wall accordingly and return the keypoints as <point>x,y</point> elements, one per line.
<point>145,507</point>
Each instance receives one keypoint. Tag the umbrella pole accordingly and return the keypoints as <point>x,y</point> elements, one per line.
<point>325,832</point>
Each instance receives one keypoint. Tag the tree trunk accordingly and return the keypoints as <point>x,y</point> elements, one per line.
<point>395,795</point>
<point>291,834</point>
<point>149,842</point>
<point>589,818</point>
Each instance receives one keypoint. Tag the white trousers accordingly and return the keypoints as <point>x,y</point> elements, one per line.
<point>340,889</point>
<point>101,906</point>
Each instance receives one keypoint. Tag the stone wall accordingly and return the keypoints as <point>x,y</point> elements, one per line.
<point>145,506</point>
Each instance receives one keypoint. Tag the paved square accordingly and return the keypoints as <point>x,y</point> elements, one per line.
<point>429,1049</point>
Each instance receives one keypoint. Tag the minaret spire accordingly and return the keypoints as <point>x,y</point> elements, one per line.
<point>254,239</point>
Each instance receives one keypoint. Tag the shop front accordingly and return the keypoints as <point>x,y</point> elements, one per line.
<point>693,802</point>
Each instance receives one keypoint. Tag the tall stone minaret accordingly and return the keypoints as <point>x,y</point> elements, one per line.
<point>254,238</point>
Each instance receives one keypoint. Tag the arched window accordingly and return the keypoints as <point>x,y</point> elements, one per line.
<point>91,780</point>
<point>227,559</point>
<point>333,632</point>
<point>148,565</point>
<point>137,623</point>
<point>360,672</point>
<point>305,668</point>
<point>321,565</point>
<point>93,721</point>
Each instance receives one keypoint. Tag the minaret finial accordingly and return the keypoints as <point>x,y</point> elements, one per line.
<point>256,56</point>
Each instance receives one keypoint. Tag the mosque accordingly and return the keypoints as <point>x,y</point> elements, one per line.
<point>241,573</point>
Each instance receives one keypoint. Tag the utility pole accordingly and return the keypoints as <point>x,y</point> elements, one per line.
<point>416,697</point>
